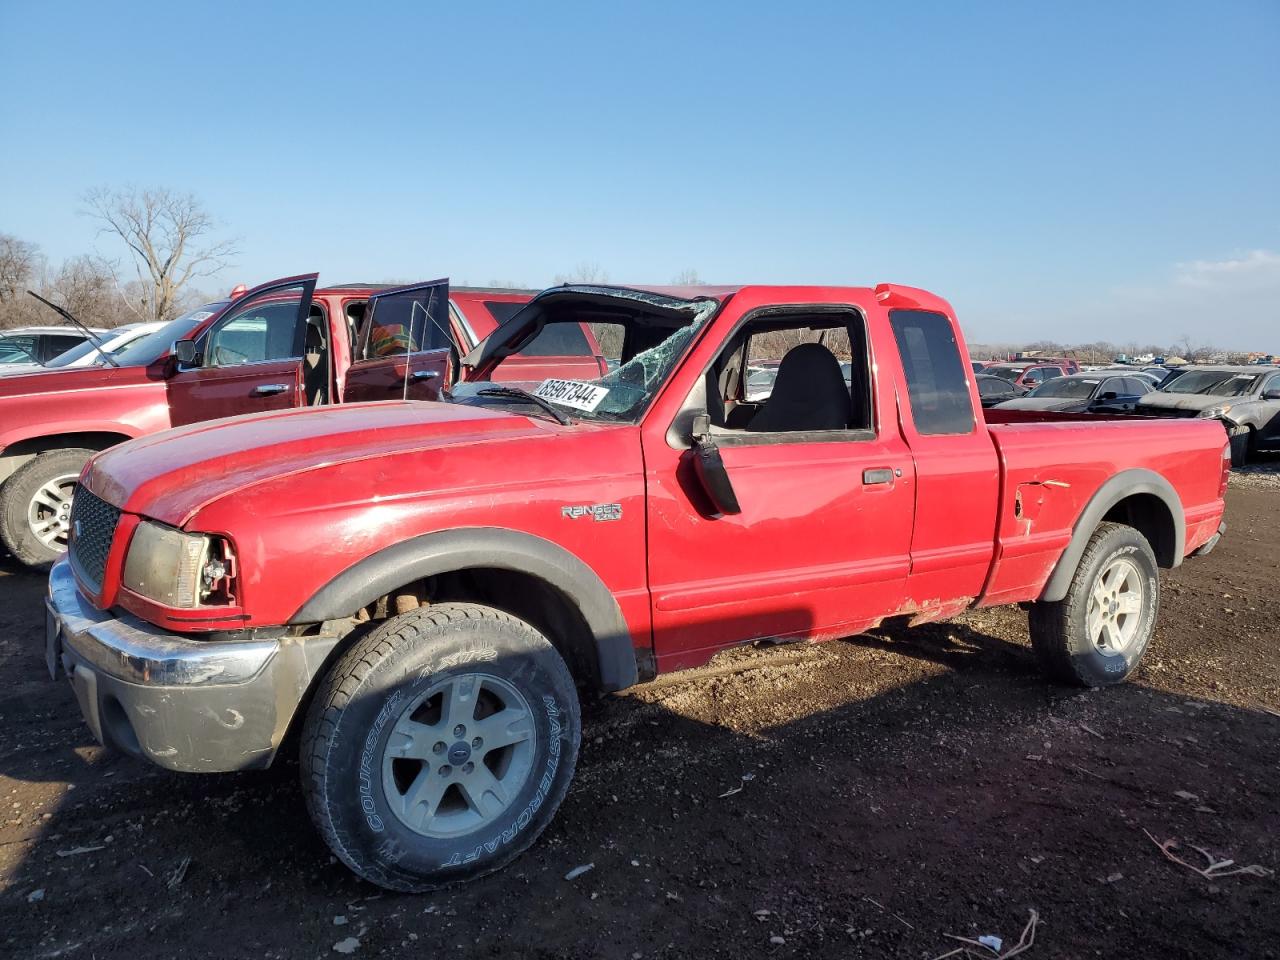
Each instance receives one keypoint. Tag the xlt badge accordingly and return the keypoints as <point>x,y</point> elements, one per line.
<point>597,511</point>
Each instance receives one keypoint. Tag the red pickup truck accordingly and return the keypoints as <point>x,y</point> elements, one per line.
<point>420,591</point>
<point>281,345</point>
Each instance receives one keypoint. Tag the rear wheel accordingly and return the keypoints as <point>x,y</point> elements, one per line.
<point>1096,635</point>
<point>440,746</point>
<point>35,505</point>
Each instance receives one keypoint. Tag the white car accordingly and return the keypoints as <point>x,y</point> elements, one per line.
<point>37,345</point>
<point>86,354</point>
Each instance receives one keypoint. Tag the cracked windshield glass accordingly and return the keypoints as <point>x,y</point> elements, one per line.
<point>589,369</point>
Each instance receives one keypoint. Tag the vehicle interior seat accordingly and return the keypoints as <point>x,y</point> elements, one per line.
<point>315,364</point>
<point>809,393</point>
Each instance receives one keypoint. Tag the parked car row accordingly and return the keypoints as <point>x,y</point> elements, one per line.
<point>550,496</point>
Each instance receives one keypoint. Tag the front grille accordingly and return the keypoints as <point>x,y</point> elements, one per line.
<point>93,526</point>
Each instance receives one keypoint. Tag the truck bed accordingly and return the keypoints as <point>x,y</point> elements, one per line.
<point>1053,464</point>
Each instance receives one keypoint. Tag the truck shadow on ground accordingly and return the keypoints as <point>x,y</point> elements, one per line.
<point>860,797</point>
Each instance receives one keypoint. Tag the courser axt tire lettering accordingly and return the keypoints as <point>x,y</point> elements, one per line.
<point>439,746</point>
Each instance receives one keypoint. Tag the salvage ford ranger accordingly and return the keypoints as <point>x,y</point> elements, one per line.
<point>415,595</point>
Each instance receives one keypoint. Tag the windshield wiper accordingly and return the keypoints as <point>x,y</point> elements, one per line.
<point>98,344</point>
<point>515,393</point>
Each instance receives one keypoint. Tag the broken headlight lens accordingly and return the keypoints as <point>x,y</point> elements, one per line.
<point>178,569</point>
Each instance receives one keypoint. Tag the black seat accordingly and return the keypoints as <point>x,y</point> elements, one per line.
<point>808,394</point>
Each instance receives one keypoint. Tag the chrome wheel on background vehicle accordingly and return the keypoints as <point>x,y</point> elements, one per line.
<point>1115,607</point>
<point>35,505</point>
<point>49,512</point>
<point>458,755</point>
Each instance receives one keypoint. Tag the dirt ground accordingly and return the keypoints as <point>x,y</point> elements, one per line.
<point>859,798</point>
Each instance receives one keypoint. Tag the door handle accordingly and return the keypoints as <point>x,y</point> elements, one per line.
<point>269,389</point>
<point>870,477</point>
<point>424,375</point>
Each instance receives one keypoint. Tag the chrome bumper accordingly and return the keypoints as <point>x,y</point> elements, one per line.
<point>185,704</point>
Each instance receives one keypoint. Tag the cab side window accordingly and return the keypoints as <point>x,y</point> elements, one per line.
<point>794,374</point>
<point>937,382</point>
<point>401,324</point>
<point>266,328</point>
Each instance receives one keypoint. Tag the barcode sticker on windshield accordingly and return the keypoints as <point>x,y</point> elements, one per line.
<point>572,393</point>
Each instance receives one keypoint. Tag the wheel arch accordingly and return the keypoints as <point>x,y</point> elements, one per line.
<point>1138,498</point>
<point>530,577</point>
<point>18,452</point>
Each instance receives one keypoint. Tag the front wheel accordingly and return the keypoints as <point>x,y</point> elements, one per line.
<point>1096,635</point>
<point>439,746</point>
<point>35,505</point>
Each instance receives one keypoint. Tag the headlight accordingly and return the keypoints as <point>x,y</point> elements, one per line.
<point>1220,410</point>
<point>178,569</point>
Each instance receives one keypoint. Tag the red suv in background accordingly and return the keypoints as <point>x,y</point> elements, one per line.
<point>281,345</point>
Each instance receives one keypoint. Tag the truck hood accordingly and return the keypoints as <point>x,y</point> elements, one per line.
<point>168,476</point>
<point>1187,401</point>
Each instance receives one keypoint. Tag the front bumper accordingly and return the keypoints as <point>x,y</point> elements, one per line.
<point>185,704</point>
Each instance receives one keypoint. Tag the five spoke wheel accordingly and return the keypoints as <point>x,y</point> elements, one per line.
<point>458,755</point>
<point>49,512</point>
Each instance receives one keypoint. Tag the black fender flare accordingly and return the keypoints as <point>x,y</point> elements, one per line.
<point>473,547</point>
<point>1124,484</point>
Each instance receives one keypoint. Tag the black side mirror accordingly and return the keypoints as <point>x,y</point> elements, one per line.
<point>184,351</point>
<point>710,467</point>
<point>1272,394</point>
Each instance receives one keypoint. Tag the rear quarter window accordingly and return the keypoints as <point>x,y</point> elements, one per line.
<point>937,385</point>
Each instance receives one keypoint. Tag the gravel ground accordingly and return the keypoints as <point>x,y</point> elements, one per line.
<point>860,798</point>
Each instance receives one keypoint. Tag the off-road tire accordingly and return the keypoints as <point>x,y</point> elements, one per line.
<point>1059,634</point>
<point>353,714</point>
<point>15,499</point>
<point>1241,446</point>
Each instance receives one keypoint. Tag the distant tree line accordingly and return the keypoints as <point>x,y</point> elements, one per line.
<point>1104,351</point>
<point>168,244</point>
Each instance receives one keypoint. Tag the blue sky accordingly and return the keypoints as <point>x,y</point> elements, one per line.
<point>1075,171</point>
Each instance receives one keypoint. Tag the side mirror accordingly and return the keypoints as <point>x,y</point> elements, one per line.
<point>184,351</point>
<point>710,467</point>
<point>1272,394</point>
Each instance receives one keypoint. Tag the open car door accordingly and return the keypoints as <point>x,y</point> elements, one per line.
<point>249,359</point>
<point>405,347</point>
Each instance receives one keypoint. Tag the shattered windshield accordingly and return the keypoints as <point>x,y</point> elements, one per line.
<point>1212,383</point>
<point>594,364</point>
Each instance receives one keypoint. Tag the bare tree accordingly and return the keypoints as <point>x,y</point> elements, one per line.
<point>168,237</point>
<point>686,278</point>
<point>585,272</point>
<point>86,287</point>
<point>19,261</point>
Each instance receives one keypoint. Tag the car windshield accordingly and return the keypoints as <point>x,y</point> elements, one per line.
<point>115,343</point>
<point>154,345</point>
<point>1066,388</point>
<point>1212,383</point>
<point>1004,373</point>
<point>566,354</point>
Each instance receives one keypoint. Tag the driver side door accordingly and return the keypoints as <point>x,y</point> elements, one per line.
<point>405,347</point>
<point>250,359</point>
